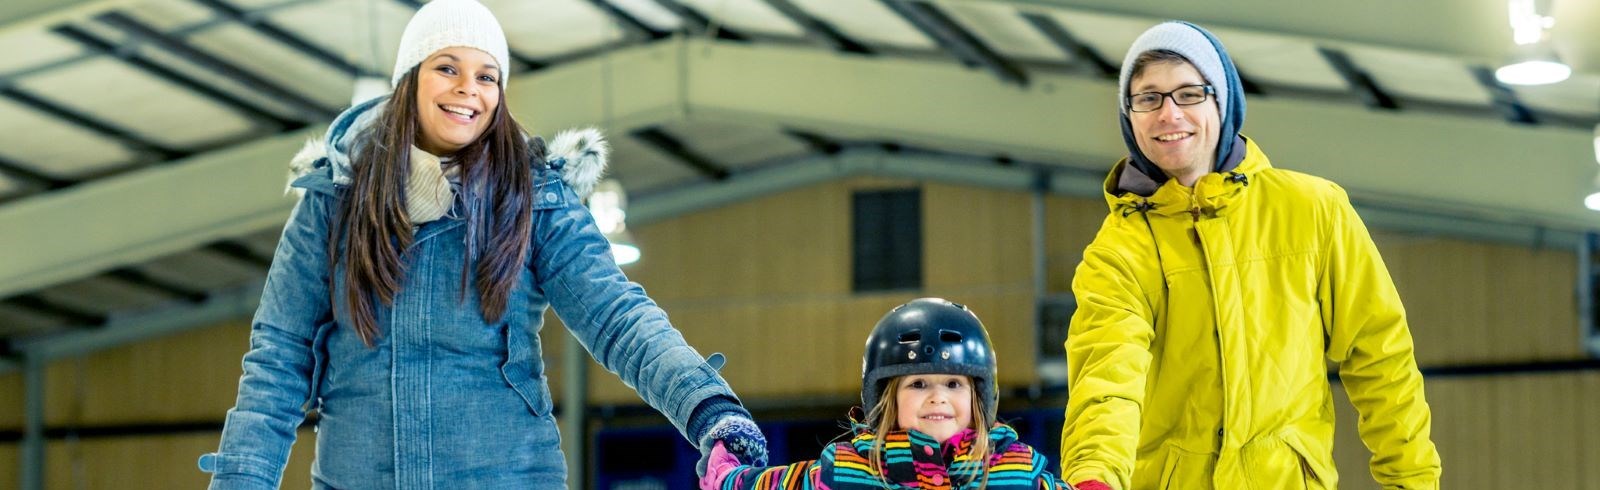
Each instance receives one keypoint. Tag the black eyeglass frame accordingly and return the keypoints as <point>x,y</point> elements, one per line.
<point>1210,93</point>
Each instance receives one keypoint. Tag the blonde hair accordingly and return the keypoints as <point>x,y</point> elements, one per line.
<point>885,415</point>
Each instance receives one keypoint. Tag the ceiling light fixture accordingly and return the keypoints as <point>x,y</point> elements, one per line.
<point>1534,61</point>
<point>1597,143</point>
<point>609,204</point>
<point>1593,201</point>
<point>367,88</point>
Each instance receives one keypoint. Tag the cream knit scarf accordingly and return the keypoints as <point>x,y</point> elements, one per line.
<point>430,190</point>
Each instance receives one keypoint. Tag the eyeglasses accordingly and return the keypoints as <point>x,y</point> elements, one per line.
<point>1183,96</point>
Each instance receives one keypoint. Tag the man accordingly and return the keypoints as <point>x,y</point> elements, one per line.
<point>1211,296</point>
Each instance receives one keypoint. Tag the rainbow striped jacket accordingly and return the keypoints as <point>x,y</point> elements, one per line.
<point>911,460</point>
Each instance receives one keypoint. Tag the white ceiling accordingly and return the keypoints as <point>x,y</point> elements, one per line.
<point>1417,51</point>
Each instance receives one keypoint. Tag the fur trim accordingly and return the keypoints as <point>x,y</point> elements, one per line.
<point>585,151</point>
<point>303,163</point>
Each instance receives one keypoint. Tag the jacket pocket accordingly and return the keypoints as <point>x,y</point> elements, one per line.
<point>1172,476</point>
<point>520,372</point>
<point>1168,469</point>
<point>1178,469</point>
<point>319,366</point>
<point>231,465</point>
<point>1312,472</point>
<point>548,194</point>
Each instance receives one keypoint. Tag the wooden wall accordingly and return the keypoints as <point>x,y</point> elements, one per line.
<point>166,461</point>
<point>185,378</point>
<point>1474,302</point>
<point>10,401</point>
<point>1513,431</point>
<point>768,283</point>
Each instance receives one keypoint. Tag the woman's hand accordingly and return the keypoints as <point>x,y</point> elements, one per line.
<point>737,437</point>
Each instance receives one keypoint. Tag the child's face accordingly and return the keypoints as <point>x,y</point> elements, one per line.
<point>939,405</point>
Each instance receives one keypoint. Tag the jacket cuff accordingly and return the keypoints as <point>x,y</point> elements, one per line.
<point>709,411</point>
<point>232,470</point>
<point>1415,485</point>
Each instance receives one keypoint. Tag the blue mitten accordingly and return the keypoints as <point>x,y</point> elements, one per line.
<point>729,424</point>
<point>739,436</point>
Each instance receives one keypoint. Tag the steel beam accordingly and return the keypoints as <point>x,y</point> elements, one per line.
<point>1361,82</point>
<point>33,380</point>
<point>655,138</point>
<point>817,29</point>
<point>310,110</point>
<point>31,177</point>
<point>1070,44</point>
<point>698,23</point>
<point>629,24</point>
<point>47,307</point>
<point>808,90</point>
<point>1504,100</point>
<point>266,28</point>
<point>131,57</point>
<point>122,135</point>
<point>219,307</point>
<point>956,39</point>
<point>140,279</point>
<point>818,143</point>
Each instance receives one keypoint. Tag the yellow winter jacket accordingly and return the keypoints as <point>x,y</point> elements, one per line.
<point>1196,356</point>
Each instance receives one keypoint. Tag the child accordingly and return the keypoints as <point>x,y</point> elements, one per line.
<point>928,384</point>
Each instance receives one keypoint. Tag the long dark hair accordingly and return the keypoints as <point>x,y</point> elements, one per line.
<point>373,225</point>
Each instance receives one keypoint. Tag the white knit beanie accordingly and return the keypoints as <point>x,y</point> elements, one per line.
<point>451,23</point>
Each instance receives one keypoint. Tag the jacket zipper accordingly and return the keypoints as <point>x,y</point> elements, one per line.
<point>1216,331</point>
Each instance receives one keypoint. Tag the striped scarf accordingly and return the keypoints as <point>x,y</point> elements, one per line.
<point>912,459</point>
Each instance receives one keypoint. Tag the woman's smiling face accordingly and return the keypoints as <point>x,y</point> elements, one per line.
<point>458,90</point>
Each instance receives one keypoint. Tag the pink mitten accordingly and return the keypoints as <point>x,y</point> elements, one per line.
<point>718,468</point>
<point>1092,485</point>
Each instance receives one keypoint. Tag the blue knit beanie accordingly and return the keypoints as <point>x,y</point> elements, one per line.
<point>1208,56</point>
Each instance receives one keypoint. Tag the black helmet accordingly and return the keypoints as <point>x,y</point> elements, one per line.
<point>929,336</point>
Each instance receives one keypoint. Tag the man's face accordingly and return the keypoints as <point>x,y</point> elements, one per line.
<point>1181,140</point>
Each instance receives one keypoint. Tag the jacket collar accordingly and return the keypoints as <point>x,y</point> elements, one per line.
<point>903,450</point>
<point>1212,195</point>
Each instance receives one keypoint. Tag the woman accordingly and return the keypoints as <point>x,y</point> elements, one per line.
<point>406,294</point>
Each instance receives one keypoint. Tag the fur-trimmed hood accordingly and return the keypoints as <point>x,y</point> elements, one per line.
<point>579,154</point>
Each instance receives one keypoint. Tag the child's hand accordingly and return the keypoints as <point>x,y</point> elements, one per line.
<point>718,465</point>
<point>1092,485</point>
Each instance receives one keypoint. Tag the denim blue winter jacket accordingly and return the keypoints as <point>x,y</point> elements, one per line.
<point>445,399</point>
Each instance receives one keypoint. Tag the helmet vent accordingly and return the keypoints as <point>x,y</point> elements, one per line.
<point>910,337</point>
<point>949,336</point>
